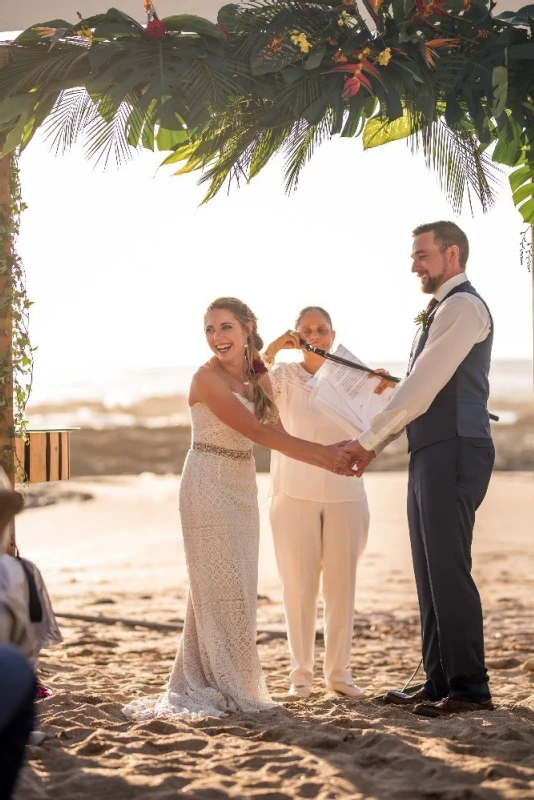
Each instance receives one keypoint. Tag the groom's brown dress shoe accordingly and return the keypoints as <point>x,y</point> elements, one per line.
<point>449,705</point>
<point>403,699</point>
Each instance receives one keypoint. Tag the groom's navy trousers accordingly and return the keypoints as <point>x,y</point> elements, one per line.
<point>447,483</point>
<point>451,459</point>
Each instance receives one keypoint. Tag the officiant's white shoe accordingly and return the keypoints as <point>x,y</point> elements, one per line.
<point>300,690</point>
<point>348,689</point>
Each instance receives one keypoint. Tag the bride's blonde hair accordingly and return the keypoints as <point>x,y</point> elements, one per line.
<point>264,408</point>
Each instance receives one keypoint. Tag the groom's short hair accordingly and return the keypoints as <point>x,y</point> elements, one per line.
<point>445,235</point>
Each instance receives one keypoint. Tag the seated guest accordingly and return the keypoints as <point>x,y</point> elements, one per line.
<point>17,679</point>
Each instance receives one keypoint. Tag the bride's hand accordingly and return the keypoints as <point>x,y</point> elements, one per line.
<point>335,459</point>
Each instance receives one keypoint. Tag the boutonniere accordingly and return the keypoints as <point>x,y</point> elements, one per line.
<point>422,318</point>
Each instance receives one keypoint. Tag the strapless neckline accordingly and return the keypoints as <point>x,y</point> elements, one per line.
<point>237,394</point>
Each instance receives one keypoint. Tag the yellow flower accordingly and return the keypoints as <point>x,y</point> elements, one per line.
<point>384,57</point>
<point>343,19</point>
<point>85,33</point>
<point>300,40</point>
<point>45,33</point>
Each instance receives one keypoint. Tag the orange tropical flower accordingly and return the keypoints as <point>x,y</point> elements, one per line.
<point>148,6</point>
<point>339,57</point>
<point>276,44</point>
<point>352,85</point>
<point>426,8</point>
<point>45,33</point>
<point>443,43</point>
<point>432,44</point>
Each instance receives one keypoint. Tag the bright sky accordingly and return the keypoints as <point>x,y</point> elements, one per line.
<point>121,264</point>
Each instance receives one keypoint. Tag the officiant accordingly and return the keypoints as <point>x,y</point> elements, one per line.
<point>319,520</point>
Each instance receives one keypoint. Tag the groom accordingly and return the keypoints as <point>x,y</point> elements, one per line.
<point>442,405</point>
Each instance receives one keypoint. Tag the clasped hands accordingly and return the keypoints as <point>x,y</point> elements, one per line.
<point>351,459</point>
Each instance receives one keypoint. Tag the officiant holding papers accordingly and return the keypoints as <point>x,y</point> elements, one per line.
<point>442,404</point>
<point>319,520</point>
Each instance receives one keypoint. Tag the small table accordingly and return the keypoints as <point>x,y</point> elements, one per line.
<point>45,456</point>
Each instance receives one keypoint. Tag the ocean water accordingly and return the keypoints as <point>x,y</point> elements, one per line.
<point>120,388</point>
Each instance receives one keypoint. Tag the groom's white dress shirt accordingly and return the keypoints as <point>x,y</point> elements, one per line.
<point>460,322</point>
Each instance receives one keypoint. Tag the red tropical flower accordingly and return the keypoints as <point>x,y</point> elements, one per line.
<point>258,367</point>
<point>352,85</point>
<point>155,29</point>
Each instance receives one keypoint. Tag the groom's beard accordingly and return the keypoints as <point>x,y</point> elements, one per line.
<point>433,283</point>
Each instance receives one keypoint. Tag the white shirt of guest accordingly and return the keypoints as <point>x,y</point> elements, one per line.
<point>300,418</point>
<point>460,322</point>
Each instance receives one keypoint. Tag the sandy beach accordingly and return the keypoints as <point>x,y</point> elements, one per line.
<point>111,548</point>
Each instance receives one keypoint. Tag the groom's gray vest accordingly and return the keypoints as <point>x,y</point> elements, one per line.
<point>460,408</point>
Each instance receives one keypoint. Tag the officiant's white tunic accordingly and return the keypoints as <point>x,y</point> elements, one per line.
<point>320,523</point>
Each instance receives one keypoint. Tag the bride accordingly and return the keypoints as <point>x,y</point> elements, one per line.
<point>217,668</point>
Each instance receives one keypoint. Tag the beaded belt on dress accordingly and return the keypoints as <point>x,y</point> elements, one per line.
<point>239,455</point>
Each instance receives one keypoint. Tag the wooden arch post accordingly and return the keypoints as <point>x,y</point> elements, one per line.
<point>7,450</point>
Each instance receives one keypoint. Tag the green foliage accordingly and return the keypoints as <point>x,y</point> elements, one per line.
<point>16,372</point>
<point>278,77</point>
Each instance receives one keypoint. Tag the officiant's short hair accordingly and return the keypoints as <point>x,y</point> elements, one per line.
<point>445,235</point>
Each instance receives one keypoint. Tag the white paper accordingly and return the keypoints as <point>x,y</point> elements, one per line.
<point>347,395</point>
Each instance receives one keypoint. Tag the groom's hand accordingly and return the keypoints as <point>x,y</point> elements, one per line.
<point>361,458</point>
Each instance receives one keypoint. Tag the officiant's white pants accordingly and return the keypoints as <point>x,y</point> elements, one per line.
<point>311,537</point>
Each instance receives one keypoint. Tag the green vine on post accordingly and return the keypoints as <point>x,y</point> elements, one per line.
<point>16,373</point>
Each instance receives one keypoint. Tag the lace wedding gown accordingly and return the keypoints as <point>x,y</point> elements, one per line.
<point>217,668</point>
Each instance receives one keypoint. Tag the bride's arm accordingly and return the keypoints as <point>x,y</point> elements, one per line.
<point>277,424</point>
<point>209,388</point>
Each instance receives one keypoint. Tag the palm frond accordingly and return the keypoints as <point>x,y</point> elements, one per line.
<point>106,133</point>
<point>300,147</point>
<point>460,165</point>
<point>34,67</point>
<point>73,112</point>
<point>207,89</point>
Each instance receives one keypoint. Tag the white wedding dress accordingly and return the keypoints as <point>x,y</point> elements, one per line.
<point>217,668</point>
